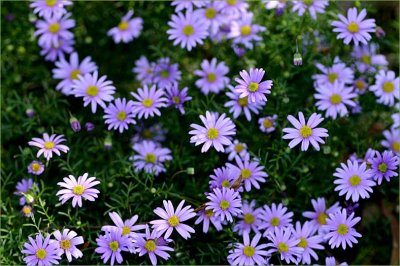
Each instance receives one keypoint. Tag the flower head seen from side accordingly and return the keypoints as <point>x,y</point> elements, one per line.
<point>308,241</point>
<point>268,123</point>
<point>148,101</point>
<point>244,32</point>
<point>238,105</point>
<point>321,212</point>
<point>173,219</point>
<point>226,203</point>
<point>305,133</point>
<point>340,229</point>
<point>177,97</point>
<point>250,85</point>
<point>276,216</point>
<point>354,27</point>
<point>111,244</point>
<point>330,74</point>
<point>250,218</point>
<point>384,166</point>
<point>94,90</point>
<point>56,52</point>
<point>49,144</point>
<point>207,217</point>
<point>128,29</point>
<point>353,180</point>
<point>392,140</point>
<point>237,150</point>
<point>127,227</point>
<point>166,73</point>
<point>68,240</point>
<point>119,115</point>
<point>144,70</point>
<point>49,7</point>
<point>386,87</point>
<point>212,76</point>
<point>283,242</point>
<point>367,59</point>
<point>187,29</point>
<point>78,189</point>
<point>249,252</point>
<point>312,6</point>
<point>41,251</point>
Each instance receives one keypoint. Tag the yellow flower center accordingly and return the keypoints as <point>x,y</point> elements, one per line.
<point>245,30</point>
<point>239,147</point>
<point>26,210</point>
<point>92,90</point>
<point>245,173</point>
<point>396,146</point>
<point>253,87</point>
<point>147,134</point>
<point>113,245</point>
<point>248,218</point>
<point>123,25</point>
<point>147,102</point>
<point>274,221</point>
<point>224,204</point>
<point>54,27</point>
<point>173,220</point>
<point>353,27</point>
<point>249,251</point>
<point>176,100</point>
<point>305,131</point>
<point>211,77</point>
<point>342,229</point>
<point>322,218</point>
<point>125,230</point>
<point>121,116</point>
<point>41,253</point>
<point>360,85</point>
<point>35,167</point>
<point>308,2</point>
<point>332,77</point>
<point>226,183</point>
<point>51,2</point>
<point>267,123</point>
<point>65,244</point>
<point>164,74</point>
<point>355,180</point>
<point>302,243</point>
<point>212,133</point>
<point>382,167</point>
<point>188,30</point>
<point>388,87</point>
<point>150,245</point>
<point>210,13</point>
<point>150,158</point>
<point>209,213</point>
<point>283,247</point>
<point>78,189</point>
<point>74,74</point>
<point>49,145</point>
<point>335,99</point>
<point>231,2</point>
<point>366,59</point>
<point>243,101</point>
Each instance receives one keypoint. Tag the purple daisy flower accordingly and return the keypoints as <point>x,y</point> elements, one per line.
<point>222,177</point>
<point>212,76</point>
<point>127,228</point>
<point>251,172</point>
<point>188,4</point>
<point>128,29</point>
<point>250,85</point>
<point>41,251</point>
<point>53,28</point>
<point>273,4</point>
<point>153,244</point>
<point>188,30</point>
<point>334,98</point>
<point>384,166</point>
<point>396,118</point>
<point>386,87</point>
<point>69,71</point>
<point>234,8</point>
<point>144,70</point>
<point>177,97</point>
<point>36,168</point>
<point>27,211</point>
<point>367,59</point>
<point>165,73</point>
<point>53,52</point>
<point>172,219</point>
<point>78,189</point>
<point>337,72</point>
<point>244,32</point>
<point>67,242</point>
<point>331,261</point>
<point>360,86</point>
<point>119,115</point>
<point>353,180</point>
<point>207,216</point>
<point>249,252</point>
<point>354,27</point>
<point>150,157</point>
<point>321,212</point>
<point>308,241</point>
<point>237,150</point>
<point>149,100</point>
<point>226,203</point>
<point>392,140</point>
<point>154,133</point>
<point>237,105</point>
<point>23,187</point>
<point>313,7</point>
<point>275,217</point>
<point>212,14</point>
<point>268,123</point>
<point>45,8</point>
<point>305,133</point>
<point>111,244</point>
<point>250,218</point>
<point>217,131</point>
<point>340,229</point>
<point>48,145</point>
<point>285,244</point>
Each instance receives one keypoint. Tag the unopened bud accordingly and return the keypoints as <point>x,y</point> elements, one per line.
<point>190,171</point>
<point>30,112</point>
<point>297,59</point>
<point>75,125</point>
<point>29,198</point>
<point>108,143</point>
<point>379,32</point>
<point>89,126</point>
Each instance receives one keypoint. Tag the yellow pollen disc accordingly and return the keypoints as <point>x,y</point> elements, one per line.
<point>308,2</point>
<point>113,245</point>
<point>382,167</point>
<point>245,30</point>
<point>253,87</point>
<point>41,253</point>
<point>150,245</point>
<point>176,100</point>
<point>342,229</point>
<point>121,116</point>
<point>54,27</point>
<point>210,13</point>
<point>150,158</point>
<point>353,27</point>
<point>243,101</point>
<point>388,87</point>
<point>123,25</point>
<point>366,59</point>
<point>245,173</point>
<point>305,131</point>
<point>164,74</point>
<point>49,145</point>
<point>65,244</point>
<point>92,90</point>
<point>27,210</point>
<point>78,189</point>
<point>35,167</point>
<point>332,77</point>
<point>355,180</point>
<point>226,183</point>
<point>212,133</point>
<point>147,102</point>
<point>283,247</point>
<point>231,2</point>
<point>360,85</point>
<point>267,123</point>
<point>188,30</point>
<point>74,74</point>
<point>302,243</point>
<point>147,134</point>
<point>274,221</point>
<point>51,2</point>
<point>224,204</point>
<point>209,213</point>
<point>322,218</point>
<point>239,147</point>
<point>248,218</point>
<point>211,77</point>
<point>125,230</point>
<point>335,99</point>
<point>173,220</point>
<point>248,251</point>
<point>396,146</point>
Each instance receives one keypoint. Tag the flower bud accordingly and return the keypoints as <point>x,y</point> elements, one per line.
<point>75,125</point>
<point>30,112</point>
<point>108,143</point>
<point>297,59</point>
<point>379,32</point>
<point>190,171</point>
<point>89,126</point>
